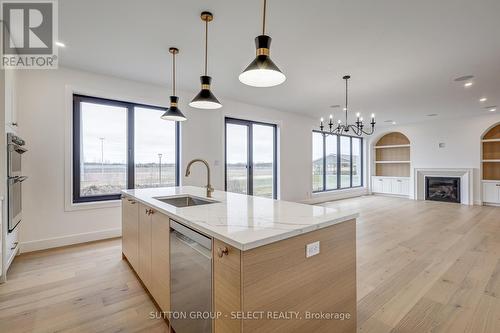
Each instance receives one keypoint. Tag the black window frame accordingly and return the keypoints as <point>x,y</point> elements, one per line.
<point>249,123</point>
<point>130,106</point>
<point>339,173</point>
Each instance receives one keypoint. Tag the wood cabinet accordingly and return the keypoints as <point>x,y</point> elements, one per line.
<point>491,192</point>
<point>130,231</point>
<point>145,245</point>
<point>160,260</point>
<point>278,278</point>
<point>391,185</point>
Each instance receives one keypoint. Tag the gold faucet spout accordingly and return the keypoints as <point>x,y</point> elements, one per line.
<point>188,172</point>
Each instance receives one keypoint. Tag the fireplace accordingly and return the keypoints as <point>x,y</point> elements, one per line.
<point>445,189</point>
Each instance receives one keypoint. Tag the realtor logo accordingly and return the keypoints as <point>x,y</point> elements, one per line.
<point>29,34</point>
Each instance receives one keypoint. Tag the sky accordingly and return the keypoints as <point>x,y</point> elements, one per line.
<point>262,147</point>
<point>104,130</point>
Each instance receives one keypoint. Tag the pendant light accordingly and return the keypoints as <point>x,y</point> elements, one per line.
<point>262,72</point>
<point>205,99</point>
<point>173,112</point>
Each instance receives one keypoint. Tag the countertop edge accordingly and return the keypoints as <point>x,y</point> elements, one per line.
<point>251,245</point>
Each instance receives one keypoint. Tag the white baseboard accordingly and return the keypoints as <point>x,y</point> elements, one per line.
<point>336,195</point>
<point>48,243</point>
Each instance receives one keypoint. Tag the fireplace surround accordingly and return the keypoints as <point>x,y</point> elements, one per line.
<point>466,176</point>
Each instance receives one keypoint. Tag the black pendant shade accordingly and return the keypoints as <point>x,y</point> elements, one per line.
<point>205,98</point>
<point>173,112</point>
<point>262,71</point>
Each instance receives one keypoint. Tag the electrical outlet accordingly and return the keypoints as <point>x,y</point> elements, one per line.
<point>312,249</point>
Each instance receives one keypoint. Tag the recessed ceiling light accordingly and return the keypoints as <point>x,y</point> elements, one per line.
<point>493,109</point>
<point>483,99</point>
<point>432,115</point>
<point>60,44</point>
<point>464,78</point>
<point>467,84</point>
<point>394,123</point>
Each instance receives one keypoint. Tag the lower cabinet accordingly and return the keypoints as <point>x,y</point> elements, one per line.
<point>160,260</point>
<point>146,245</point>
<point>130,231</point>
<point>391,185</point>
<point>491,192</point>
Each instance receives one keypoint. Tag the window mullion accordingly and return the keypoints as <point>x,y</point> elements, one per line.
<point>130,147</point>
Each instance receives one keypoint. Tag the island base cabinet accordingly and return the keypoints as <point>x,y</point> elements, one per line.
<point>130,231</point>
<point>160,260</point>
<point>288,290</point>
<point>144,270</point>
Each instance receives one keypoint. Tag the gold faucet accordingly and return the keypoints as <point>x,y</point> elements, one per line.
<point>209,187</point>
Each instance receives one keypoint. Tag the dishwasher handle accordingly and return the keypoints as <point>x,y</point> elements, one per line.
<point>203,240</point>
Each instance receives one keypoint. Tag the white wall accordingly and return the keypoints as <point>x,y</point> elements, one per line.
<point>45,109</point>
<point>462,139</point>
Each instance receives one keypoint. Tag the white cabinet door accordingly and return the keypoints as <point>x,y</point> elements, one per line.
<point>377,185</point>
<point>405,187</point>
<point>10,101</point>
<point>387,185</point>
<point>491,192</point>
<point>400,186</point>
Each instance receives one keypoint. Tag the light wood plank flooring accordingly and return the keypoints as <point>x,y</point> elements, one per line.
<point>422,267</point>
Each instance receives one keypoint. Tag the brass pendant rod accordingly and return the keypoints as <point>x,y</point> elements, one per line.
<point>173,74</point>
<point>264,19</point>
<point>206,47</point>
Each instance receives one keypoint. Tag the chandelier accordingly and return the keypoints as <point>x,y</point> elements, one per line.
<point>358,128</point>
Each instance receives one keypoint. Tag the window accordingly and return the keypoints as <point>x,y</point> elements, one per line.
<point>119,145</point>
<point>251,158</point>
<point>337,162</point>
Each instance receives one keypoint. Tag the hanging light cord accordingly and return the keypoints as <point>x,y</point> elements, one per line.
<point>264,19</point>
<point>206,46</point>
<point>346,91</point>
<point>173,73</point>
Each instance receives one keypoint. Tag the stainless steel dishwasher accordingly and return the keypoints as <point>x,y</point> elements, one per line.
<point>190,280</point>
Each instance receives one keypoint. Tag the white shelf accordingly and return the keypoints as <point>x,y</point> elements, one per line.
<point>490,181</point>
<point>392,146</point>
<point>494,161</point>
<point>392,162</point>
<point>491,140</point>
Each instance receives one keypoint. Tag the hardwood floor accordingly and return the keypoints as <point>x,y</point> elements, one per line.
<point>426,266</point>
<point>422,267</point>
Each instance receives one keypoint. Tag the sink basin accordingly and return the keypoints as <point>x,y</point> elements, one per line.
<point>185,201</point>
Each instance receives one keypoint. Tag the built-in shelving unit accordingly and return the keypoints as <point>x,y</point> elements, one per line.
<point>491,166</point>
<point>392,156</point>
<point>491,154</point>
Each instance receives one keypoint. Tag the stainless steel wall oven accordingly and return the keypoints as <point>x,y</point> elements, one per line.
<point>15,178</point>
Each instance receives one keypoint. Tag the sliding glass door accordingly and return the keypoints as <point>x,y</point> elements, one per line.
<point>251,158</point>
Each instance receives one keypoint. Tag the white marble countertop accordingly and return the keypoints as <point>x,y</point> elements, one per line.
<point>242,221</point>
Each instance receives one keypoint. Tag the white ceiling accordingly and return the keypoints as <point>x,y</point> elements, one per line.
<point>402,54</point>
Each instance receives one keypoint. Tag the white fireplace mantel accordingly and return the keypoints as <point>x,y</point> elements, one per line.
<point>466,182</point>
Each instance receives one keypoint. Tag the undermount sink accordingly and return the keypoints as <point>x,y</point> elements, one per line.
<point>185,201</point>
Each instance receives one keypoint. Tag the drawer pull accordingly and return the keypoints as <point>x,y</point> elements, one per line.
<point>15,245</point>
<point>221,252</point>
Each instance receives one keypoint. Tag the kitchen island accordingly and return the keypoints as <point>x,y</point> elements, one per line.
<point>255,264</point>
